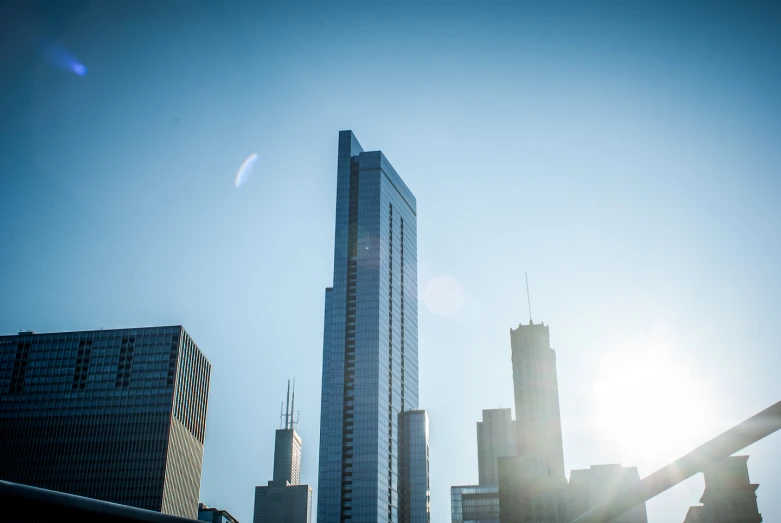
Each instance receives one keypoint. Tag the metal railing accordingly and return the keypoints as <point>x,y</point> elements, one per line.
<point>738,437</point>
<point>26,504</point>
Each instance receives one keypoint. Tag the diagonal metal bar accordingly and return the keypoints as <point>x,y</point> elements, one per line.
<point>725,444</point>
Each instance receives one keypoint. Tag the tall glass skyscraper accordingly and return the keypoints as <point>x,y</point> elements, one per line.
<point>116,415</point>
<point>370,345</point>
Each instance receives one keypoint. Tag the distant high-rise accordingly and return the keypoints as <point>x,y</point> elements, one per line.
<point>370,345</point>
<point>284,499</point>
<point>589,487</point>
<point>729,494</point>
<point>532,484</point>
<point>538,421</point>
<point>495,439</point>
<point>414,485</point>
<point>115,415</point>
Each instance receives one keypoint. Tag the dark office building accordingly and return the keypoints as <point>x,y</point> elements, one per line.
<point>414,484</point>
<point>532,484</point>
<point>370,345</point>
<point>115,415</point>
<point>729,495</point>
<point>284,499</point>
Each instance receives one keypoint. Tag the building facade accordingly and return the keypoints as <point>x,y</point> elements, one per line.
<point>495,439</point>
<point>414,484</point>
<point>114,415</point>
<point>474,504</point>
<point>729,494</point>
<point>589,487</point>
<point>284,499</point>
<point>532,484</point>
<point>370,346</point>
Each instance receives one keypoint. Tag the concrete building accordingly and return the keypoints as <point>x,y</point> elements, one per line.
<point>115,415</point>
<point>729,495</point>
<point>589,487</point>
<point>495,439</point>
<point>532,484</point>
<point>414,484</point>
<point>214,515</point>
<point>284,499</point>
<point>370,343</point>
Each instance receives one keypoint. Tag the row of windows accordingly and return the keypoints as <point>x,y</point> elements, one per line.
<point>113,458</point>
<point>349,344</point>
<point>88,361</point>
<point>192,387</point>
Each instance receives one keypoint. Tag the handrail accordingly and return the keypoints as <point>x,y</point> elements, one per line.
<point>725,444</point>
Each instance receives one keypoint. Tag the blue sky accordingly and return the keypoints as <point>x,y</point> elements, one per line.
<point>623,154</point>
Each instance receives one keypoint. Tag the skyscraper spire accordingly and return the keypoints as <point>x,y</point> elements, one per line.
<point>287,406</point>
<point>293,406</point>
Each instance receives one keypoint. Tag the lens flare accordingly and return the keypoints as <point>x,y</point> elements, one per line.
<point>60,57</point>
<point>444,296</point>
<point>245,170</point>
<point>650,406</point>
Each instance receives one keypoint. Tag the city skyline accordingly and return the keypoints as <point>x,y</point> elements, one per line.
<point>624,156</point>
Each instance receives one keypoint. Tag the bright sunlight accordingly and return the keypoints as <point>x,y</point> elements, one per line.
<point>651,407</point>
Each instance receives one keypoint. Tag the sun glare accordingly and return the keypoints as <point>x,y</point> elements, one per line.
<point>651,408</point>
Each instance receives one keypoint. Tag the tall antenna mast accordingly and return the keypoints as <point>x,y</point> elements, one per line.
<point>528,299</point>
<point>287,406</point>
<point>293,406</point>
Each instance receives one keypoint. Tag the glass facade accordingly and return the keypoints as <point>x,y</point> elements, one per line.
<point>474,504</point>
<point>370,346</point>
<point>414,487</point>
<point>116,415</point>
<point>287,457</point>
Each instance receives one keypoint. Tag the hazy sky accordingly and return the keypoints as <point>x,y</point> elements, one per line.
<point>625,155</point>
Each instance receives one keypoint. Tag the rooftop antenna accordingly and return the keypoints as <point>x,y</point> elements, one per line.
<point>298,419</point>
<point>293,405</point>
<point>528,300</point>
<point>281,406</point>
<point>287,406</point>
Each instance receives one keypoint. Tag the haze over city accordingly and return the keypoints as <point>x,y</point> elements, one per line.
<point>175,163</point>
